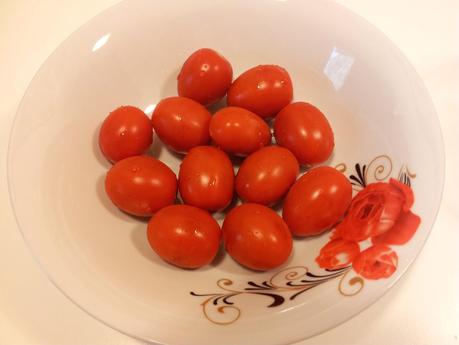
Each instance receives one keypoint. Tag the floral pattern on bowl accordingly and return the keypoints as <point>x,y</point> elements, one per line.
<point>378,218</point>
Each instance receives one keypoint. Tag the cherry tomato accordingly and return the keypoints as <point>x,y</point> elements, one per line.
<point>266,175</point>
<point>141,185</point>
<point>124,133</point>
<point>304,130</point>
<point>264,90</point>
<point>317,201</point>
<point>206,178</point>
<point>239,131</point>
<point>184,236</point>
<point>256,237</point>
<point>181,123</point>
<point>205,76</point>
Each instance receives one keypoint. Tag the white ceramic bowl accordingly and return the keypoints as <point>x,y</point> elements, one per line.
<point>130,54</point>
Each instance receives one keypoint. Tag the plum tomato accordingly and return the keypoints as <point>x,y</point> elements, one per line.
<point>264,90</point>
<point>205,76</point>
<point>317,201</point>
<point>256,237</point>
<point>125,132</point>
<point>141,185</point>
<point>184,236</point>
<point>266,175</point>
<point>304,130</point>
<point>181,123</point>
<point>238,131</point>
<point>206,178</point>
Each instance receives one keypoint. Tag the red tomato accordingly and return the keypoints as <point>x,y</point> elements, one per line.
<point>264,90</point>
<point>124,133</point>
<point>256,237</point>
<point>205,76</point>
<point>184,236</point>
<point>181,123</point>
<point>141,185</point>
<point>206,178</point>
<point>317,201</point>
<point>266,175</point>
<point>304,130</point>
<point>239,131</point>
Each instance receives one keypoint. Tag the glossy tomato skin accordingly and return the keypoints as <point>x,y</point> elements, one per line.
<point>206,178</point>
<point>238,131</point>
<point>304,130</point>
<point>205,76</point>
<point>141,185</point>
<point>264,90</point>
<point>184,236</point>
<point>317,201</point>
<point>266,175</point>
<point>181,123</point>
<point>256,237</point>
<point>125,132</point>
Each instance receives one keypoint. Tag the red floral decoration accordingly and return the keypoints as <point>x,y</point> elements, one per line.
<point>337,254</point>
<point>380,212</point>
<point>376,262</point>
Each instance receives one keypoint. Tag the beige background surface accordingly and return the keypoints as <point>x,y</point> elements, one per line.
<point>423,308</point>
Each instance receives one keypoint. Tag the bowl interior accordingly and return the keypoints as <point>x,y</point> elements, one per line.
<point>131,54</point>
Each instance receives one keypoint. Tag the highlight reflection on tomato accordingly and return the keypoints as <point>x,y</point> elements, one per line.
<point>304,130</point>
<point>181,123</point>
<point>264,90</point>
<point>205,76</point>
<point>126,132</point>
<point>206,178</point>
<point>256,237</point>
<point>266,175</point>
<point>317,201</point>
<point>184,236</point>
<point>238,131</point>
<point>141,185</point>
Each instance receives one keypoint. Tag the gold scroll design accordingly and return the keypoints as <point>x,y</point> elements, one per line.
<point>286,285</point>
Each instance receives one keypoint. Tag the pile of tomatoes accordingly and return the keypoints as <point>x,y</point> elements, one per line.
<point>185,234</point>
